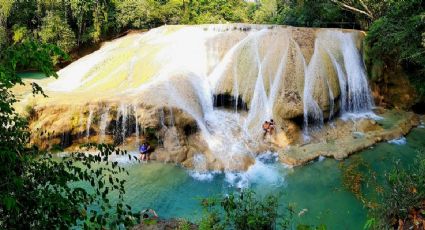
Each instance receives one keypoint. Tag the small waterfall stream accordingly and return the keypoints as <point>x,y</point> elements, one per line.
<point>89,120</point>
<point>136,118</point>
<point>104,119</point>
<point>123,114</point>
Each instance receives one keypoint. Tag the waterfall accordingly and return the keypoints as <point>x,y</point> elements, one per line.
<point>342,79</point>
<point>89,120</point>
<point>103,124</point>
<point>80,123</point>
<point>312,110</point>
<point>123,113</point>
<point>136,118</point>
<point>359,95</point>
<point>355,95</point>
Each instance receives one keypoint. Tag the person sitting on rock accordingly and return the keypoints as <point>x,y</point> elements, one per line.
<point>144,150</point>
<point>266,128</point>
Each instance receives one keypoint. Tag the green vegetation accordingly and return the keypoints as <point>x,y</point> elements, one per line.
<point>247,211</point>
<point>397,39</point>
<point>37,191</point>
<point>403,202</point>
<point>398,202</point>
<point>244,211</point>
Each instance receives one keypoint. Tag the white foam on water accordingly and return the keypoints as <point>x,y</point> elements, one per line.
<point>321,158</point>
<point>200,171</point>
<point>263,172</point>
<point>358,116</point>
<point>203,176</point>
<point>124,159</point>
<point>398,141</point>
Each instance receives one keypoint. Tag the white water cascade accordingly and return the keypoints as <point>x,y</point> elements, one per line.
<point>280,73</point>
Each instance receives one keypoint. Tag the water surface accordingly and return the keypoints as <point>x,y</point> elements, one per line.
<point>175,192</point>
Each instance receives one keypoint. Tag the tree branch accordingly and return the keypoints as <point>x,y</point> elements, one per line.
<point>367,9</point>
<point>351,8</point>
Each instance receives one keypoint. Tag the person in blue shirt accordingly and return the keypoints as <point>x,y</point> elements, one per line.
<point>144,150</point>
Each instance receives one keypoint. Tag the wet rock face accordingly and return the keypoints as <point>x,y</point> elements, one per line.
<point>392,89</point>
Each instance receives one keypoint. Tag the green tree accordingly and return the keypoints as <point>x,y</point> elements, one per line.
<point>134,13</point>
<point>215,11</point>
<point>396,39</point>
<point>20,33</point>
<point>80,12</point>
<point>267,12</point>
<point>55,30</point>
<point>171,11</point>
<point>5,9</point>
<point>316,13</point>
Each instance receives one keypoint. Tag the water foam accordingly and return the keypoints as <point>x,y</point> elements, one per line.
<point>361,115</point>
<point>266,171</point>
<point>398,141</point>
<point>262,173</point>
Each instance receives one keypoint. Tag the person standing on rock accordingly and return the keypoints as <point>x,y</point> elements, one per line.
<point>144,150</point>
<point>266,128</point>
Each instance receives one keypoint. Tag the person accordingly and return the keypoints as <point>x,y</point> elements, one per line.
<point>266,127</point>
<point>148,214</point>
<point>144,150</point>
<point>271,126</point>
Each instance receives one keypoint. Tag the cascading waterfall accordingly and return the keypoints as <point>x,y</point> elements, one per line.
<point>355,95</point>
<point>278,72</point>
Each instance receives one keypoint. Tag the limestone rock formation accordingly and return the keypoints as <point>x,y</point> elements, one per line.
<point>160,86</point>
